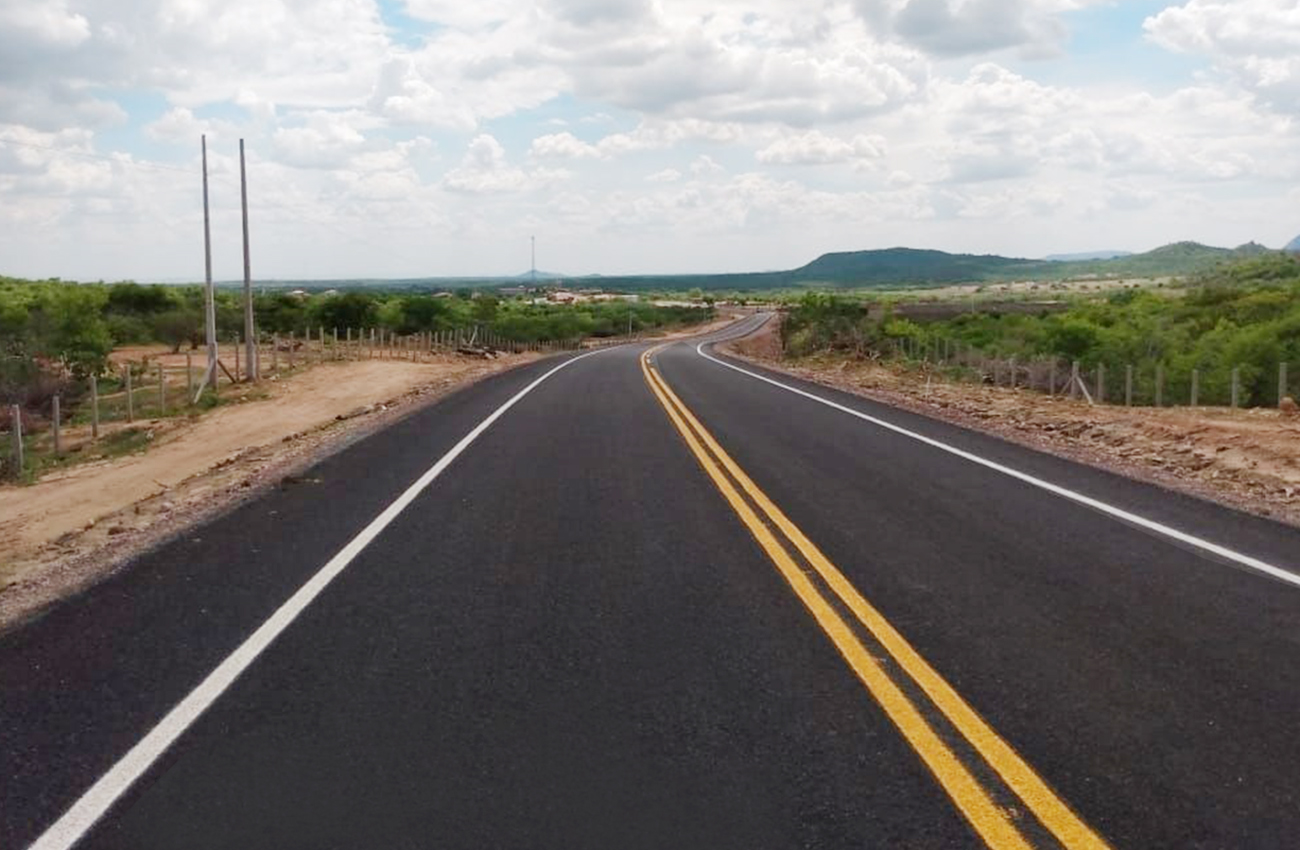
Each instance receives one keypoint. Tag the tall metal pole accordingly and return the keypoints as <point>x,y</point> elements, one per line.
<point>209,296</point>
<point>250,332</point>
<point>533,242</point>
<point>17,433</point>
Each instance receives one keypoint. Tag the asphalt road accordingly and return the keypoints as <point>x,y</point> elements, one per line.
<point>600,625</point>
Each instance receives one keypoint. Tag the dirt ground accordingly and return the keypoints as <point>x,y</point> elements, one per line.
<point>76,524</point>
<point>1247,459</point>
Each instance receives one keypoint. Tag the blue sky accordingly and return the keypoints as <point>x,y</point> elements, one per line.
<point>429,137</point>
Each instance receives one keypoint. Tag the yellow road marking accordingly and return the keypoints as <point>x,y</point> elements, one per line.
<point>989,821</point>
<point>1053,812</point>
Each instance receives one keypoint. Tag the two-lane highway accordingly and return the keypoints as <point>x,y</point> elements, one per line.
<point>659,601</point>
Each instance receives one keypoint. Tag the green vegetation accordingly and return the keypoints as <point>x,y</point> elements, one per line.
<point>1245,315</point>
<point>53,333</point>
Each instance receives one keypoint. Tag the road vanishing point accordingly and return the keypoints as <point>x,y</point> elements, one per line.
<point>654,597</point>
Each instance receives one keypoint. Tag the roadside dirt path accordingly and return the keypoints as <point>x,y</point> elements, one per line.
<point>1246,459</point>
<point>74,525</point>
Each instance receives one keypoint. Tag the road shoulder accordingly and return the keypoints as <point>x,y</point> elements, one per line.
<point>1245,460</point>
<point>130,505</point>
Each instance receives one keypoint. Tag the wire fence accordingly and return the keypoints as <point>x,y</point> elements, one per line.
<point>1146,384</point>
<point>101,413</point>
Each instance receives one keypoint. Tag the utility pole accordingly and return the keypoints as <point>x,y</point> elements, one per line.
<point>250,331</point>
<point>533,241</point>
<point>209,296</point>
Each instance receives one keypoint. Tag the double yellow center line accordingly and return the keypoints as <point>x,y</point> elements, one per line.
<point>770,527</point>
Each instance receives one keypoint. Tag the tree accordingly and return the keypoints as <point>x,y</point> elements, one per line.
<point>485,308</point>
<point>132,298</point>
<point>348,310</point>
<point>177,327</point>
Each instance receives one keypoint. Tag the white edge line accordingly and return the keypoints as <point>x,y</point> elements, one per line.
<point>95,802</point>
<point>1065,493</point>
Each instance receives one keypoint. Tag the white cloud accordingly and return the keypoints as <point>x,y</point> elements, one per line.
<point>562,146</point>
<point>326,140</point>
<point>178,126</point>
<point>1255,42</point>
<point>970,27</point>
<point>690,119</point>
<point>816,148</point>
<point>49,23</point>
<point>404,96</point>
<point>485,169</point>
<point>705,165</point>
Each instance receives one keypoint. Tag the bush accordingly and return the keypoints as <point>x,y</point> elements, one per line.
<point>128,330</point>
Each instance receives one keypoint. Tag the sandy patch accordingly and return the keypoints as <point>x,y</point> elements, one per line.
<point>1246,459</point>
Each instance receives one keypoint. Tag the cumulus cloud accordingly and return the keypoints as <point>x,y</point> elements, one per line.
<point>179,126</point>
<point>629,110</point>
<point>950,28</point>
<point>562,146</point>
<point>485,169</point>
<point>1255,42</point>
<point>326,140</point>
<point>816,148</point>
<point>403,95</point>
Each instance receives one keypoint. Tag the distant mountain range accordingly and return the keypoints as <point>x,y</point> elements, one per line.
<point>922,268</point>
<point>1293,245</point>
<point>908,267</point>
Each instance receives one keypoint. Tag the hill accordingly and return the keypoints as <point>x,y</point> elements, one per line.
<point>1293,245</point>
<point>906,265</point>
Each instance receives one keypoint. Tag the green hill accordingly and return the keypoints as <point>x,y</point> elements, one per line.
<point>908,265</point>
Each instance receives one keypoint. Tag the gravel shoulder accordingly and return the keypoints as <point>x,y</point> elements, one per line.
<point>1245,459</point>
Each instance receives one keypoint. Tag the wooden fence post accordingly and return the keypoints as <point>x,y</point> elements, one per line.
<point>1281,383</point>
<point>1074,379</point>
<point>17,433</point>
<point>58,433</point>
<point>1051,378</point>
<point>1236,387</point>
<point>162,388</point>
<point>189,378</point>
<point>1128,385</point>
<point>130,400</point>
<point>292,334</point>
<point>1101,383</point>
<point>238,345</point>
<point>94,407</point>
<point>1013,372</point>
<point>1196,386</point>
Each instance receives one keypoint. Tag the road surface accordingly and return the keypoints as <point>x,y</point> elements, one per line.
<point>652,597</point>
